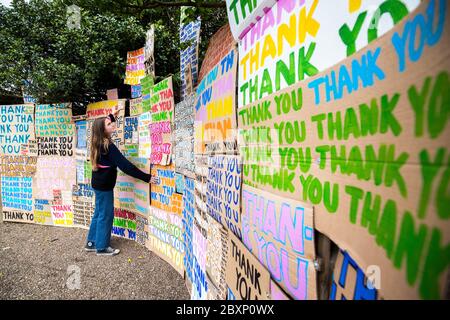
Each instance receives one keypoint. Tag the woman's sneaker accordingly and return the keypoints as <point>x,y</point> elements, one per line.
<point>90,247</point>
<point>108,252</point>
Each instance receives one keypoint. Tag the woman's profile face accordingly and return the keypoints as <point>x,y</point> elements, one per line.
<point>110,126</point>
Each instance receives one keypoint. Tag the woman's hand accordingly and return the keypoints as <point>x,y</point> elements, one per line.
<point>155,180</point>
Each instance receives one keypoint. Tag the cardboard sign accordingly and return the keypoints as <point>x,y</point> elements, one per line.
<point>56,146</point>
<point>246,276</point>
<point>147,89</point>
<point>124,224</point>
<point>83,199</point>
<point>17,216</point>
<point>103,108</point>
<point>280,232</point>
<point>165,237</point>
<point>112,94</point>
<point>135,70</point>
<point>117,136</point>
<point>242,15</point>
<point>188,223</point>
<point>136,106</point>
<point>199,245</point>
<point>358,142</point>
<point>136,92</point>
<point>215,112</point>
<point>216,258</point>
<point>276,293</point>
<point>53,173</point>
<point>223,191</point>
<point>145,142</point>
<point>89,125</point>
<point>163,195</point>
<point>131,134</point>
<point>133,194</point>
<point>80,127</point>
<point>54,120</point>
<point>16,127</point>
<point>141,229</point>
<point>179,183</point>
<point>62,215</point>
<point>42,212</point>
<point>183,136</point>
<point>162,119</point>
<point>83,166</point>
<point>297,39</point>
<point>349,281</point>
<point>149,60</point>
<point>29,149</point>
<point>17,194</point>
<point>189,33</point>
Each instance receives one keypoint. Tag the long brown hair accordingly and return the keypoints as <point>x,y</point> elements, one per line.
<point>99,139</point>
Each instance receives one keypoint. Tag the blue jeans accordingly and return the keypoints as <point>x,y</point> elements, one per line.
<point>102,220</point>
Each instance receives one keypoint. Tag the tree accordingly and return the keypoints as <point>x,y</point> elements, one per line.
<point>165,16</point>
<point>80,64</point>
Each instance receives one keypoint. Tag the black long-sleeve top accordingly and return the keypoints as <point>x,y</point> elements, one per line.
<point>106,175</point>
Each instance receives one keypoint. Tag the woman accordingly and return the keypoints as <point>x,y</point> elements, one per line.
<point>105,158</point>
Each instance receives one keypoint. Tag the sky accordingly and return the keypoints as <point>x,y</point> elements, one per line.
<point>5,2</point>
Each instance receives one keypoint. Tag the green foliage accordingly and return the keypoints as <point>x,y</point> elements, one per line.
<point>80,64</point>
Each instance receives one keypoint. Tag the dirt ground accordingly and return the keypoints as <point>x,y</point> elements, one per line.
<point>42,262</point>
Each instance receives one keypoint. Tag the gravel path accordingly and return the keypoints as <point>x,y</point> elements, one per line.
<point>34,262</point>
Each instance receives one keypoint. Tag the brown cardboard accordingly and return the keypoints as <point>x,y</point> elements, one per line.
<point>276,293</point>
<point>215,108</point>
<point>18,166</point>
<point>16,127</point>
<point>183,137</point>
<point>220,43</point>
<point>246,276</point>
<point>349,282</point>
<point>162,114</point>
<point>165,238</point>
<point>103,108</point>
<point>112,94</point>
<point>216,255</point>
<point>163,195</point>
<point>280,233</point>
<point>413,143</point>
<point>223,191</point>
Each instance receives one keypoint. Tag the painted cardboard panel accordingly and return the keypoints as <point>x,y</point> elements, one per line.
<point>349,282</point>
<point>189,33</point>
<point>219,44</point>
<point>16,127</point>
<point>163,195</point>
<point>223,191</point>
<point>42,212</point>
<point>246,277</point>
<point>124,224</point>
<point>280,233</point>
<point>162,113</point>
<point>242,14</point>
<point>103,108</point>
<point>215,111</point>
<point>216,257</point>
<point>183,136</point>
<point>297,39</point>
<point>366,143</point>
<point>165,237</point>
<point>135,69</point>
